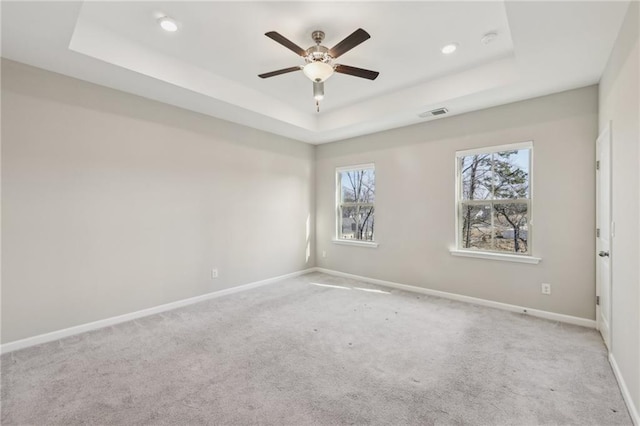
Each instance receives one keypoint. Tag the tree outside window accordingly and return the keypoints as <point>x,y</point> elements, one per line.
<point>355,207</point>
<point>494,199</point>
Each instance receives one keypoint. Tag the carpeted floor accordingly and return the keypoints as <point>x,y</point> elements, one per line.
<point>299,353</point>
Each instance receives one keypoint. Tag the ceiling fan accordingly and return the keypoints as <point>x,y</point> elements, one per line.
<point>319,65</point>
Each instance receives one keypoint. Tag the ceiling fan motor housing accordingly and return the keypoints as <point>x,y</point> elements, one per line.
<point>317,53</point>
<point>317,36</point>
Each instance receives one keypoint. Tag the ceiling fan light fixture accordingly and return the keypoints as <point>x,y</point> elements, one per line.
<point>168,24</point>
<point>318,90</point>
<point>318,71</point>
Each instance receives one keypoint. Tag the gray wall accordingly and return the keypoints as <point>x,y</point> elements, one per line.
<point>620,104</point>
<point>112,203</point>
<point>415,203</point>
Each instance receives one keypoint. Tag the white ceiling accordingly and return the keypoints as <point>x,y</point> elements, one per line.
<point>211,64</point>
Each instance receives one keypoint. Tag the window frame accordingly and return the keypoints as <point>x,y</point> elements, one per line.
<point>339,205</point>
<point>459,203</point>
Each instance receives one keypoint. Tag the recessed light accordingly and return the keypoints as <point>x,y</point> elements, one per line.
<point>168,24</point>
<point>488,37</point>
<point>449,48</point>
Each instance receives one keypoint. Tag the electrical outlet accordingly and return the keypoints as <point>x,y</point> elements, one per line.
<point>545,288</point>
<point>324,253</point>
<point>214,273</point>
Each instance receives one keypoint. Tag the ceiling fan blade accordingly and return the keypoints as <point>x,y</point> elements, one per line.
<point>357,37</point>
<point>285,42</point>
<point>278,72</point>
<point>358,72</point>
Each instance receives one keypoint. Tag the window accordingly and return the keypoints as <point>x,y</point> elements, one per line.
<point>494,199</point>
<point>356,187</point>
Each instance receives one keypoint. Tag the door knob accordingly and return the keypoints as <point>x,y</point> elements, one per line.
<point>603,254</point>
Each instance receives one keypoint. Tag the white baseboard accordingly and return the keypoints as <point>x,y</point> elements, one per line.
<point>633,410</point>
<point>71,331</point>
<point>584,322</point>
<point>82,328</point>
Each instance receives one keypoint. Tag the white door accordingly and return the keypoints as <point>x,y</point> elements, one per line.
<point>604,232</point>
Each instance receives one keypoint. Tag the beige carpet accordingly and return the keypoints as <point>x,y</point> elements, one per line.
<point>298,353</point>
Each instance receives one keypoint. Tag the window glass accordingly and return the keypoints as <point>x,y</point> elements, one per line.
<point>356,198</point>
<point>494,199</point>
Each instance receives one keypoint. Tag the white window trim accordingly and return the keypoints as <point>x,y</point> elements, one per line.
<point>358,243</point>
<point>337,239</point>
<point>495,255</point>
<point>366,166</point>
<point>518,258</point>
<point>495,148</point>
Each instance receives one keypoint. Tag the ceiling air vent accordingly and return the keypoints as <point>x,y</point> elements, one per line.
<point>434,113</point>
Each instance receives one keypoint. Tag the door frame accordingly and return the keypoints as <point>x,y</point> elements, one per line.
<point>606,133</point>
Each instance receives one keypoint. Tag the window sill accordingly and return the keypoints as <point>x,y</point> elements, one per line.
<point>496,256</point>
<point>368,244</point>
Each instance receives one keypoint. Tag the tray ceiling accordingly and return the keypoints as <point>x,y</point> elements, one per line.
<point>210,65</point>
